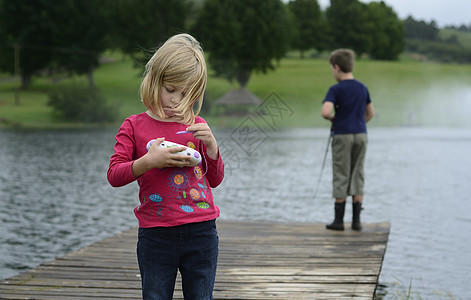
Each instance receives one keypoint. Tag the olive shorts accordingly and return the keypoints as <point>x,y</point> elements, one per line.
<point>348,159</point>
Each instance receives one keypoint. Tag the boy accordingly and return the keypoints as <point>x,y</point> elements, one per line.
<point>353,109</point>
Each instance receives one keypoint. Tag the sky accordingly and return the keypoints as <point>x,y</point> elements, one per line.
<point>444,12</point>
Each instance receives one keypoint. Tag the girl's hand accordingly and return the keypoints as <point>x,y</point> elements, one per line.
<point>158,157</point>
<point>201,131</point>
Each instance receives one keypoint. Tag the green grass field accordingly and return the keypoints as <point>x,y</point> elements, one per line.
<point>404,93</point>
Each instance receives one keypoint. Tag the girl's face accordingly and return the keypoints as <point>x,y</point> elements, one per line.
<point>170,96</point>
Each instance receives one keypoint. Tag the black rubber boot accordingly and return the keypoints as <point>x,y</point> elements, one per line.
<point>338,221</point>
<point>356,224</point>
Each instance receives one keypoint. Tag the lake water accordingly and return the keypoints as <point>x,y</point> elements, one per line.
<point>54,197</point>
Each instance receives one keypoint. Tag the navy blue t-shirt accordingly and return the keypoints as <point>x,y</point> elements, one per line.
<point>350,98</point>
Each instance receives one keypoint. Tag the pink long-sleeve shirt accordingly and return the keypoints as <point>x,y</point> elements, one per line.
<point>168,196</point>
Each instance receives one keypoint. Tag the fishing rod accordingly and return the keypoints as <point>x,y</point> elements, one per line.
<point>323,162</point>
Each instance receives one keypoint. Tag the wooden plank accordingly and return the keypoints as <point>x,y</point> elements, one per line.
<point>257,260</point>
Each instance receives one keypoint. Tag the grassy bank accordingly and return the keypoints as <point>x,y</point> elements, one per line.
<point>404,93</point>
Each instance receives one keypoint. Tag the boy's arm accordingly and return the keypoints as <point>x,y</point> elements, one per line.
<point>327,109</point>
<point>369,112</point>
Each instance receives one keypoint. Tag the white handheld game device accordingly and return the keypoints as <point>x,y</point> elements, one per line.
<point>195,156</point>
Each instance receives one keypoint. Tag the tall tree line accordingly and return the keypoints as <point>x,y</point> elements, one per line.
<point>71,35</point>
<point>425,38</point>
<point>240,36</point>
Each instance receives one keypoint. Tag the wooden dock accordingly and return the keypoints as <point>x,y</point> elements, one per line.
<point>257,260</point>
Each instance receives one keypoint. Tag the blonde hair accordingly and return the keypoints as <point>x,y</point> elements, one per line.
<point>178,62</point>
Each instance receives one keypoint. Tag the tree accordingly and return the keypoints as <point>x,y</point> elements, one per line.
<point>60,34</point>
<point>24,24</point>
<point>372,29</point>
<point>387,31</point>
<point>138,26</point>
<point>310,26</point>
<point>421,30</point>
<point>243,36</point>
<point>78,35</point>
<point>424,38</point>
<point>349,26</point>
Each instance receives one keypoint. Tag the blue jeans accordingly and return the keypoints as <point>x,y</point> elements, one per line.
<point>190,248</point>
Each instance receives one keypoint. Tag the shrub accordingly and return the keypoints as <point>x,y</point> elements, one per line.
<point>78,104</point>
<point>440,51</point>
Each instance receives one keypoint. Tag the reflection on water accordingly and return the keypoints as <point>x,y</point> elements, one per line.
<point>54,196</point>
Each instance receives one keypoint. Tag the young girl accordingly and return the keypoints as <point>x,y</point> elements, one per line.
<point>177,229</point>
